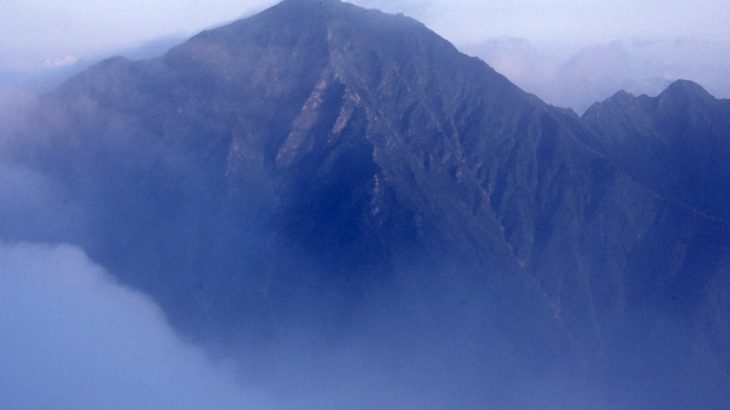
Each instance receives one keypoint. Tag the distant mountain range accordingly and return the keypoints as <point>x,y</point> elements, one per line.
<point>318,165</point>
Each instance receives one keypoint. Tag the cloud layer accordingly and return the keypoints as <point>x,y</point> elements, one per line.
<point>72,338</point>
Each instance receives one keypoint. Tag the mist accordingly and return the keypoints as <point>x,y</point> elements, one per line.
<point>73,338</point>
<point>77,337</point>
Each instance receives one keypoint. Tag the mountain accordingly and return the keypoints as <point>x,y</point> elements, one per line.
<point>677,143</point>
<point>338,173</point>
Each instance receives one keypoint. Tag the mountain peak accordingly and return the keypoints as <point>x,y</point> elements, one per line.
<point>309,5</point>
<point>321,3</point>
<point>622,96</point>
<point>685,89</point>
<point>620,100</point>
<point>289,17</point>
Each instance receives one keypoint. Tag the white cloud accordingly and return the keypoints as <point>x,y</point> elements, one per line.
<point>62,61</point>
<point>72,338</point>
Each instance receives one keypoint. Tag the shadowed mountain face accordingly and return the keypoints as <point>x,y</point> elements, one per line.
<point>349,174</point>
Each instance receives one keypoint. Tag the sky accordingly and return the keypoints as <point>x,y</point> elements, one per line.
<point>638,45</point>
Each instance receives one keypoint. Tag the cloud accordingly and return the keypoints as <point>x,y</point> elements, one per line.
<point>55,62</point>
<point>640,67</point>
<point>33,206</point>
<point>72,338</point>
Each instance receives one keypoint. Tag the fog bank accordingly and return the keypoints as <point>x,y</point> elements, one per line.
<point>75,339</point>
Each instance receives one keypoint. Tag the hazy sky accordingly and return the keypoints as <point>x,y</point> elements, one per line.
<point>55,28</point>
<point>54,33</point>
